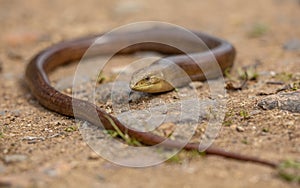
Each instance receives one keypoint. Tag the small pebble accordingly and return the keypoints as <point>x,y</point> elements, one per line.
<point>14,158</point>
<point>233,126</point>
<point>56,123</point>
<point>93,156</point>
<point>14,55</point>
<point>54,135</point>
<point>68,90</point>
<point>272,73</point>
<point>289,123</point>
<point>2,112</point>
<point>292,45</point>
<point>51,172</point>
<point>196,85</point>
<point>33,139</point>
<point>254,112</point>
<point>16,113</point>
<point>240,129</point>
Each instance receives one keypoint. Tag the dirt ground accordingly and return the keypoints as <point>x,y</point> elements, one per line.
<point>39,148</point>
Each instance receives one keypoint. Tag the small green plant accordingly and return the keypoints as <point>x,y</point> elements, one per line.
<point>228,118</point>
<point>229,114</point>
<point>124,136</point>
<point>245,141</point>
<point>227,123</point>
<point>290,171</point>
<point>184,154</point>
<point>265,130</point>
<point>284,77</point>
<point>71,129</point>
<point>112,133</point>
<point>295,86</point>
<point>258,30</point>
<point>193,153</point>
<point>100,78</point>
<point>203,154</point>
<point>174,159</point>
<point>248,73</point>
<point>228,75</point>
<point>244,114</point>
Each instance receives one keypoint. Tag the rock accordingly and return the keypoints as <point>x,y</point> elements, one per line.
<point>33,139</point>
<point>58,169</point>
<point>183,112</point>
<point>16,113</point>
<point>119,92</point>
<point>196,85</point>
<point>14,55</point>
<point>93,156</point>
<point>240,129</point>
<point>254,112</point>
<point>284,101</point>
<point>14,158</point>
<point>292,45</point>
<point>2,112</point>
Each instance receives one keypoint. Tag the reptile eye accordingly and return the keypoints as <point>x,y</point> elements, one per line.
<point>147,78</point>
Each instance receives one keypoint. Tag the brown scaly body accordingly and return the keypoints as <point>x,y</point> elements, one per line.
<point>56,55</point>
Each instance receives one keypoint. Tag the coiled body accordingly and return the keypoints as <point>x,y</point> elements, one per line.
<point>64,52</point>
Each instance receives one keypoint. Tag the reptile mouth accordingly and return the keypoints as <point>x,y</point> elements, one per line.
<point>139,88</point>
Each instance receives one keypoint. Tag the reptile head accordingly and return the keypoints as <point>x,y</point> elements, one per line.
<point>149,80</point>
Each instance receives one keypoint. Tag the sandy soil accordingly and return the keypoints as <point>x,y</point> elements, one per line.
<point>58,156</point>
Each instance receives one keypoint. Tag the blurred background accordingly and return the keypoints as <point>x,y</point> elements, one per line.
<point>252,27</point>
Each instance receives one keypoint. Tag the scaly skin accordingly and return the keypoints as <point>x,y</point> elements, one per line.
<point>65,52</point>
